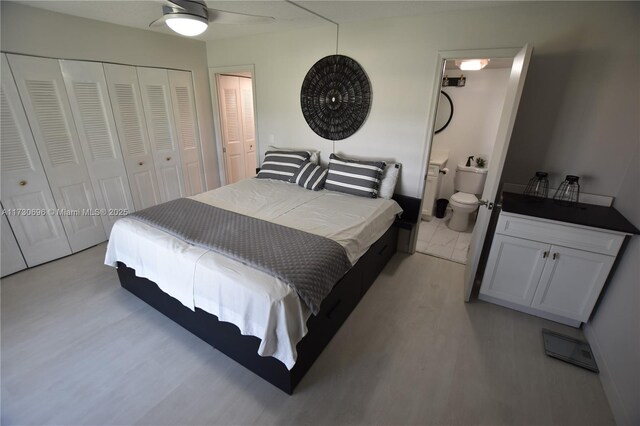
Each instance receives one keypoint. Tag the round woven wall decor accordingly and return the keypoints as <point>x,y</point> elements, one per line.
<point>335,97</point>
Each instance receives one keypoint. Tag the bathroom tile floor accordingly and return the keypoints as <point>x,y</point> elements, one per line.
<point>436,239</point>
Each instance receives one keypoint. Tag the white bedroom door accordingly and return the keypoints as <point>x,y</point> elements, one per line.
<point>233,145</point>
<point>45,101</point>
<point>89,99</point>
<point>184,110</point>
<point>156,101</point>
<point>24,182</point>
<point>126,102</point>
<point>503,137</point>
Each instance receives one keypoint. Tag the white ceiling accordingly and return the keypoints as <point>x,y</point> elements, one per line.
<point>139,14</point>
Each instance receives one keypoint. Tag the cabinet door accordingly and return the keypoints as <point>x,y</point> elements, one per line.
<point>126,102</point>
<point>514,268</point>
<point>248,126</point>
<point>571,282</point>
<point>184,109</point>
<point>11,259</point>
<point>154,85</point>
<point>89,100</point>
<point>430,187</point>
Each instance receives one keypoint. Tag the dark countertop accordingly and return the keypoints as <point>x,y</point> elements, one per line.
<point>579,214</point>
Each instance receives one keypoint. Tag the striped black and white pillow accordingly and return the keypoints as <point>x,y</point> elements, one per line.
<point>310,176</point>
<point>281,165</point>
<point>354,177</point>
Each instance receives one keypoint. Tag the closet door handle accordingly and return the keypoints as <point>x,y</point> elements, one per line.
<point>555,256</point>
<point>545,254</point>
<point>168,158</point>
<point>141,163</point>
<point>22,182</point>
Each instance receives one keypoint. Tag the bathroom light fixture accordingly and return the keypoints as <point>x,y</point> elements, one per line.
<point>187,25</point>
<point>472,64</point>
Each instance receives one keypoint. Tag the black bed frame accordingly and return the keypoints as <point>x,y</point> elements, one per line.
<point>334,310</point>
<point>227,338</point>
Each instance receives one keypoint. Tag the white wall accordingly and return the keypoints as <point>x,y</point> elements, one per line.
<point>576,115</point>
<point>39,32</point>
<point>476,112</point>
<point>579,110</point>
<point>614,331</point>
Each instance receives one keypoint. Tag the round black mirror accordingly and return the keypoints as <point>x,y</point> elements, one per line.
<point>445,112</point>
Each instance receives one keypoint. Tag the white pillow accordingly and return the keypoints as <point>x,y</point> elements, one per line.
<point>389,180</point>
<point>315,155</point>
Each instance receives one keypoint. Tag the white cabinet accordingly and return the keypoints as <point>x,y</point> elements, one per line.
<point>43,95</point>
<point>571,282</point>
<point>89,100</point>
<point>547,268</point>
<point>514,268</point>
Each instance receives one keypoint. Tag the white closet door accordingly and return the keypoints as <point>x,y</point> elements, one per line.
<point>126,102</point>
<point>184,110</point>
<point>11,259</point>
<point>248,126</point>
<point>154,85</point>
<point>89,99</point>
<point>45,101</point>
<point>25,189</point>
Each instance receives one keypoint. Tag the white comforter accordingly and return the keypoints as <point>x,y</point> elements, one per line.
<point>257,303</point>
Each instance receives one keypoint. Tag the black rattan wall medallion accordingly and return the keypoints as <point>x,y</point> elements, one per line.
<point>335,97</point>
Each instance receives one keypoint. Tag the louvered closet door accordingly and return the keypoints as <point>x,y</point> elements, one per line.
<point>248,125</point>
<point>89,99</point>
<point>24,183</point>
<point>184,110</point>
<point>126,102</point>
<point>156,100</point>
<point>45,101</point>
<point>11,259</point>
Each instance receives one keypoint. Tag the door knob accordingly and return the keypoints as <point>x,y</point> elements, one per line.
<point>22,182</point>
<point>141,163</point>
<point>488,204</point>
<point>168,158</point>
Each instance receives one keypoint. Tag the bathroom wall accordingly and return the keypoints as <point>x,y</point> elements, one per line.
<point>476,112</point>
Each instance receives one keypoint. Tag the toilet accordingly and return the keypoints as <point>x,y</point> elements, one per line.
<point>468,182</point>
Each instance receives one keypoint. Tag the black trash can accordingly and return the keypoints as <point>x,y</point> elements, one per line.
<point>441,207</point>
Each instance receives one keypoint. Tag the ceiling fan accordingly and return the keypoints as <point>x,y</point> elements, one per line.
<point>192,17</point>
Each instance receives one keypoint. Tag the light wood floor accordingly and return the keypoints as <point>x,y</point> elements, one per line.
<point>78,349</point>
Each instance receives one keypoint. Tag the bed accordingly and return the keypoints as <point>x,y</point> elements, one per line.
<point>246,313</point>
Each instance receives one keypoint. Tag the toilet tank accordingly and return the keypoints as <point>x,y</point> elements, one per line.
<point>469,179</point>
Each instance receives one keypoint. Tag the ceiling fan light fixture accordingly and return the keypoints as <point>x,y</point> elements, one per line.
<point>187,25</point>
<point>472,64</point>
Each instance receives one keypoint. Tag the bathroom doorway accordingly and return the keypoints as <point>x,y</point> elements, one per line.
<point>468,113</point>
<point>490,196</point>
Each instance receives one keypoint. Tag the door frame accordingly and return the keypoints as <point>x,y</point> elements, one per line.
<point>217,121</point>
<point>442,56</point>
